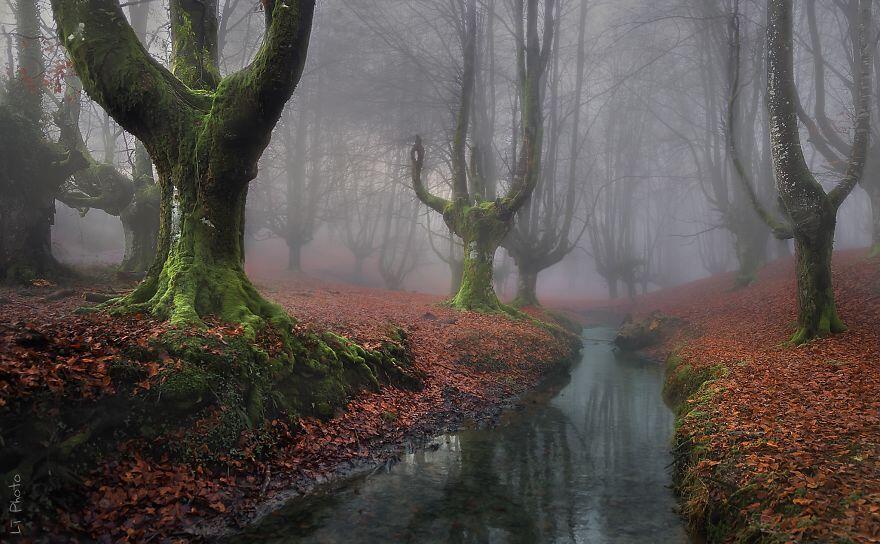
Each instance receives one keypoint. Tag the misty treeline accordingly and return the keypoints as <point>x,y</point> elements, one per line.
<point>635,141</point>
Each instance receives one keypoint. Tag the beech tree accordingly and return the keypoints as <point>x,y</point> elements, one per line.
<point>824,135</point>
<point>32,169</point>
<point>812,211</point>
<point>725,160</point>
<point>400,252</point>
<point>542,233</point>
<point>204,133</point>
<point>482,224</point>
<point>100,185</point>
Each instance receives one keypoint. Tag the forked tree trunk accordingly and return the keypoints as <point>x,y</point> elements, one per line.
<point>204,137</point>
<point>483,224</point>
<point>202,272</point>
<point>812,211</point>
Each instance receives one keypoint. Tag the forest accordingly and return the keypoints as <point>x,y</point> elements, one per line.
<point>465,271</point>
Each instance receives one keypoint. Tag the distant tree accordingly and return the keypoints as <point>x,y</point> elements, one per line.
<point>100,185</point>
<point>482,224</point>
<point>542,234</point>
<point>824,134</point>
<point>447,247</point>
<point>612,227</point>
<point>32,169</point>
<point>360,216</point>
<point>400,253</point>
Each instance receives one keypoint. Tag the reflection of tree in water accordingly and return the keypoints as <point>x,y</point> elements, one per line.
<point>512,485</point>
<point>586,466</point>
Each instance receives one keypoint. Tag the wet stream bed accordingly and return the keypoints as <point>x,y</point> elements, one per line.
<point>584,459</point>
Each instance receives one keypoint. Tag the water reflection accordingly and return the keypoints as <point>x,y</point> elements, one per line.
<point>587,465</point>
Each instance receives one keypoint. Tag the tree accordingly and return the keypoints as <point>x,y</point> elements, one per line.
<point>823,134</point>
<point>32,169</point>
<point>541,236</point>
<point>812,211</point>
<point>204,133</point>
<point>612,224</point>
<point>483,224</point>
<point>400,252</point>
<point>100,185</point>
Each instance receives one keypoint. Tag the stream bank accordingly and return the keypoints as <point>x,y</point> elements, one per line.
<point>582,459</point>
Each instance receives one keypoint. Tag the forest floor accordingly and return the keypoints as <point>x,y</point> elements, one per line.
<point>53,360</point>
<point>775,443</point>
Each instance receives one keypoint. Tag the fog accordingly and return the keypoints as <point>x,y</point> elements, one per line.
<point>636,188</point>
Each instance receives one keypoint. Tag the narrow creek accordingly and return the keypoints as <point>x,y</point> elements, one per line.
<point>585,460</point>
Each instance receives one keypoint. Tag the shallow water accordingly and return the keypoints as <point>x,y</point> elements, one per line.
<point>584,461</point>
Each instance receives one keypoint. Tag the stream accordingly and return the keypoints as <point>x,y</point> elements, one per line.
<point>584,460</point>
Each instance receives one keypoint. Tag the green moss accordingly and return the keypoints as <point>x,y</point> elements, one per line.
<point>684,381</point>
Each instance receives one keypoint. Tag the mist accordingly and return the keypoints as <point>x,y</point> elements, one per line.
<point>249,248</point>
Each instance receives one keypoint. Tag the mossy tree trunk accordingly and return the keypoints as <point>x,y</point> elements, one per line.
<point>817,310</point>
<point>812,211</point>
<point>483,224</point>
<point>456,271</point>
<point>205,135</point>
<point>481,229</point>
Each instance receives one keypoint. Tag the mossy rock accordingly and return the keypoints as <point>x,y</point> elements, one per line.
<point>634,335</point>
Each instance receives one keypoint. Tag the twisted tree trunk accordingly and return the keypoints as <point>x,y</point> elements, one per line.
<point>205,135</point>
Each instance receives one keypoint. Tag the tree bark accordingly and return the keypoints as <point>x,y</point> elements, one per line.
<point>817,310</point>
<point>477,290</point>
<point>31,172</point>
<point>205,138</point>
<point>527,286</point>
<point>456,270</point>
<point>294,255</point>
